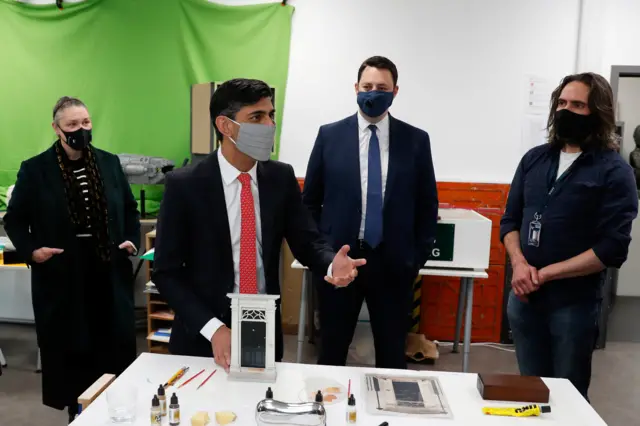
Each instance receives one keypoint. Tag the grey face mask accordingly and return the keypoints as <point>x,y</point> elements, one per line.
<point>255,140</point>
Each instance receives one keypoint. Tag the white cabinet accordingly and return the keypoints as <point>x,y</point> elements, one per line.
<point>15,294</point>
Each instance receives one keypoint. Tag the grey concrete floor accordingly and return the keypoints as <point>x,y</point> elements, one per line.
<point>615,389</point>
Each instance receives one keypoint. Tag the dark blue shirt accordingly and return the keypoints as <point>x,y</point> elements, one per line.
<point>591,206</point>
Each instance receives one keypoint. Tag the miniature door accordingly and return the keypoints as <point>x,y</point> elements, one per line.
<point>253,329</point>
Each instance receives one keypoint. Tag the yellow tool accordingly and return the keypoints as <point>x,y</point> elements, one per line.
<point>176,377</point>
<point>526,411</point>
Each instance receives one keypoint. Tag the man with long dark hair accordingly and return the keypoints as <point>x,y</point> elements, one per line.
<point>568,217</point>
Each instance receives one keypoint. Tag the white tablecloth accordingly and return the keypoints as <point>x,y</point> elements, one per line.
<point>219,394</point>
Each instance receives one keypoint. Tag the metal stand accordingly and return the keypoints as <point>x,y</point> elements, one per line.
<point>138,267</point>
<point>466,292</point>
<point>461,298</point>
<point>39,363</point>
<point>302,316</point>
<point>467,325</point>
<point>143,212</point>
<point>3,361</point>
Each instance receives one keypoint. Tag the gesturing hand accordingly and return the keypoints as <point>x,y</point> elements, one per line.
<point>44,253</point>
<point>525,279</point>
<point>344,269</point>
<point>221,345</point>
<point>128,246</point>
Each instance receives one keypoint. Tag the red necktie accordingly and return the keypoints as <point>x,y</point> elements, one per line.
<point>248,269</point>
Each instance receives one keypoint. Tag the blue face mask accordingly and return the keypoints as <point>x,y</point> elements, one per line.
<point>375,103</point>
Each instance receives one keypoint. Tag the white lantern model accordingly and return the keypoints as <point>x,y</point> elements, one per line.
<point>253,333</point>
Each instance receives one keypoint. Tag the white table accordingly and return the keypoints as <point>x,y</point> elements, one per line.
<point>568,407</point>
<point>466,292</point>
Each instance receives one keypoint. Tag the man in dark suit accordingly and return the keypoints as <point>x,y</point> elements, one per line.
<point>73,218</point>
<point>370,184</point>
<point>222,223</point>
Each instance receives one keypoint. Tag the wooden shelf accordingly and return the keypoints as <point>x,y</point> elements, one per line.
<point>157,307</point>
<point>159,349</point>
<point>162,316</point>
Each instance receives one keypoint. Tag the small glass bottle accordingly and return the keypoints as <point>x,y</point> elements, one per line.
<point>174,411</point>
<point>163,400</point>
<point>156,414</point>
<point>351,410</point>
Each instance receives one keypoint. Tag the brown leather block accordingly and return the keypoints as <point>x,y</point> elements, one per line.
<point>511,387</point>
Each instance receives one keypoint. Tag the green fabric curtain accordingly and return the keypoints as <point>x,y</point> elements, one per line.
<point>133,63</point>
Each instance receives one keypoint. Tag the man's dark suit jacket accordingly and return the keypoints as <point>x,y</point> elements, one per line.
<point>333,192</point>
<point>193,264</point>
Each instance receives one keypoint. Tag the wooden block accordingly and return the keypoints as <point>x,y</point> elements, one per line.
<point>511,387</point>
<point>202,133</point>
<point>290,292</point>
<point>89,395</point>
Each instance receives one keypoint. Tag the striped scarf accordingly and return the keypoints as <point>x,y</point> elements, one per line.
<point>92,213</point>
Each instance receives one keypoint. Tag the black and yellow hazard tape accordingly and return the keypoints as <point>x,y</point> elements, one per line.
<point>415,307</point>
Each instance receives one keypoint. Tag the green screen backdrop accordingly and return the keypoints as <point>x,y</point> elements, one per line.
<point>133,63</point>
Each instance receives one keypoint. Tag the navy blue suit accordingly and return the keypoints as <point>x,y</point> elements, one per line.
<point>332,191</point>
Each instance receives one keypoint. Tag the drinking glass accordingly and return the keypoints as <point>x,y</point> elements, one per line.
<point>122,403</point>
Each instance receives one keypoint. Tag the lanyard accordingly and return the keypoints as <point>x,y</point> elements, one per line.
<point>554,185</point>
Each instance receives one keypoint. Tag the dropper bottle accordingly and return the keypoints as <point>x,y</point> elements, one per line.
<point>351,410</point>
<point>156,414</point>
<point>163,400</point>
<point>174,411</point>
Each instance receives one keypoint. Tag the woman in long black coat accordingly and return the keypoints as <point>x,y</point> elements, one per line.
<point>73,218</point>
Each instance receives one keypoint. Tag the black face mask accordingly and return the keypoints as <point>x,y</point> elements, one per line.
<point>78,139</point>
<point>573,128</point>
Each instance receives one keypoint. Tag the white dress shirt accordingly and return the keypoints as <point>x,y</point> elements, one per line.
<point>383,139</point>
<point>232,189</point>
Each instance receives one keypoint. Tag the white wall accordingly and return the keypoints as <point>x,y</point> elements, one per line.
<point>620,32</point>
<point>462,67</point>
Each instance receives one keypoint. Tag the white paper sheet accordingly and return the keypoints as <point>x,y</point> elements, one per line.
<point>405,395</point>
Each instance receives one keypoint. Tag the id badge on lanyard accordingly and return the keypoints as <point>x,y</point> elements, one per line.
<point>535,228</point>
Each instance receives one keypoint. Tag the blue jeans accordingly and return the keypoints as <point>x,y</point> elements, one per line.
<point>555,342</point>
